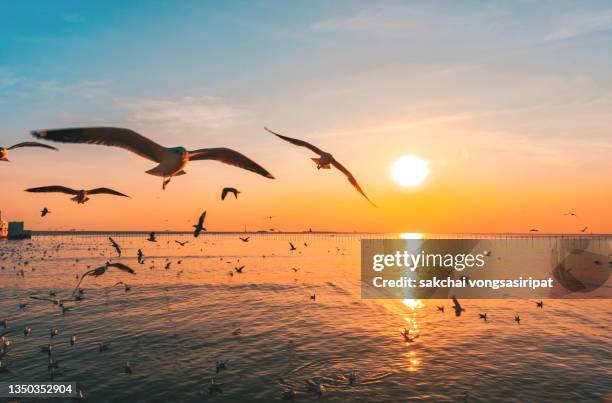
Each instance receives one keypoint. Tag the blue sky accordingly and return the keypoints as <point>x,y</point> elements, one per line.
<point>486,89</point>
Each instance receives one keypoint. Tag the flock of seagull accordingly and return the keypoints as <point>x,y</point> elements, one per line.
<point>171,161</point>
<point>78,293</point>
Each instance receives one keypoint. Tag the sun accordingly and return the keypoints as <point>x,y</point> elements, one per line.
<point>410,171</point>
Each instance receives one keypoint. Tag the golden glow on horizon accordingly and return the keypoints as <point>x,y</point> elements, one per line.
<point>411,235</point>
<point>410,171</point>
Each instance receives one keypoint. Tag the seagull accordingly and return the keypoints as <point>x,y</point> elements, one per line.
<point>199,227</point>
<point>313,297</point>
<point>115,245</point>
<point>4,151</point>
<point>125,286</point>
<point>44,212</point>
<point>181,243</point>
<point>292,248</point>
<point>483,316</point>
<point>584,229</point>
<point>221,365</point>
<point>239,269</point>
<point>517,318</point>
<point>352,377</point>
<point>325,161</point>
<point>534,230</point>
<point>152,237</point>
<point>540,304</point>
<point>101,270</point>
<point>295,269</point>
<point>171,161</point>
<point>229,190</point>
<point>457,306</point>
<point>245,239</point>
<point>80,196</point>
<point>440,308</point>
<point>571,213</point>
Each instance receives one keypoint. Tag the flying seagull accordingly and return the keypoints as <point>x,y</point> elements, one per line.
<point>115,245</point>
<point>4,151</point>
<point>80,196</point>
<point>457,306</point>
<point>199,227</point>
<point>229,190</point>
<point>101,270</point>
<point>325,161</point>
<point>171,161</point>
<point>44,212</point>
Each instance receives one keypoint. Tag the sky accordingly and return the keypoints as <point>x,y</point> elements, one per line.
<point>509,102</point>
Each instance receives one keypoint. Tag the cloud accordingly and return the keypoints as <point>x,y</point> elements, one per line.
<point>7,79</point>
<point>574,25</point>
<point>381,20</point>
<point>196,112</point>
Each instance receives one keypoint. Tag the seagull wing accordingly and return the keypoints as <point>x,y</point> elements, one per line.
<point>351,179</point>
<point>108,136</point>
<point>297,142</point>
<point>52,189</point>
<point>122,267</point>
<point>224,193</point>
<point>201,219</point>
<point>32,144</point>
<point>230,157</point>
<point>108,191</point>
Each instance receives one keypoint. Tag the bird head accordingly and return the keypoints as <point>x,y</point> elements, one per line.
<point>181,151</point>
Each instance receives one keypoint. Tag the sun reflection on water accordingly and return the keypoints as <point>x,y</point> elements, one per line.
<point>412,329</point>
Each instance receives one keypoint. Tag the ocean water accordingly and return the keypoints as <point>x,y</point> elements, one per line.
<point>174,324</point>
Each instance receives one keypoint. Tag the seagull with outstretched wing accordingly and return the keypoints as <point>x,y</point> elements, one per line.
<point>325,161</point>
<point>101,270</point>
<point>171,161</point>
<point>4,151</point>
<point>199,227</point>
<point>225,191</point>
<point>80,196</point>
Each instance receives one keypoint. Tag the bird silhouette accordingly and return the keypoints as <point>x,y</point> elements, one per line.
<point>225,191</point>
<point>171,161</point>
<point>80,196</point>
<point>457,306</point>
<point>199,227</point>
<point>4,151</point>
<point>325,160</point>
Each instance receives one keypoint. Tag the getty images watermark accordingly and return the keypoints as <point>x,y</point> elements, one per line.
<point>486,268</point>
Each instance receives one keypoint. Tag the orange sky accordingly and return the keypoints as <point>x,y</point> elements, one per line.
<point>510,104</point>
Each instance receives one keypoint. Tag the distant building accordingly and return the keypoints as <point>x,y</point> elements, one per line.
<point>13,229</point>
